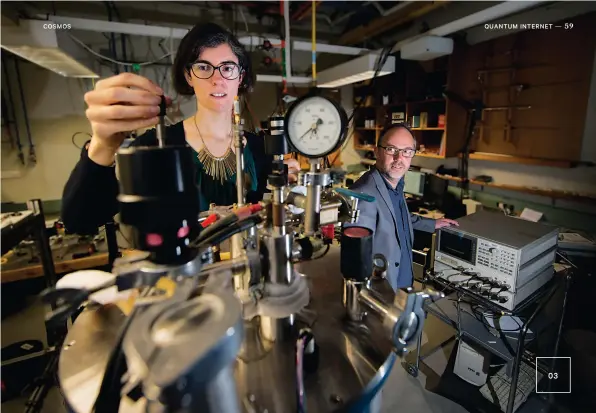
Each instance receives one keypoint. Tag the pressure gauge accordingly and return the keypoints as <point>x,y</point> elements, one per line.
<point>316,126</point>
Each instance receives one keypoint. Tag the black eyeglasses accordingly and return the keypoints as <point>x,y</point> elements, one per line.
<point>392,151</point>
<point>205,70</point>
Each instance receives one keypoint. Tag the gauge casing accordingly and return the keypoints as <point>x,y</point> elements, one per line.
<point>329,135</point>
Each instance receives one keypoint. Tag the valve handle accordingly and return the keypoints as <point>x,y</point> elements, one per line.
<point>354,194</point>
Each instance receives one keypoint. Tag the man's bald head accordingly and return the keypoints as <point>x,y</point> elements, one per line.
<point>394,152</point>
<point>385,133</point>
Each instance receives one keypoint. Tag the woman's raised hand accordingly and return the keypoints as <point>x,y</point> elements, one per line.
<point>119,104</point>
<point>122,103</point>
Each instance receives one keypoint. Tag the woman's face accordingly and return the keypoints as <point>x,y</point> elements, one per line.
<point>218,91</point>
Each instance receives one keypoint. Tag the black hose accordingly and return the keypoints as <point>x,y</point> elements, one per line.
<point>11,110</point>
<point>229,231</point>
<point>108,398</point>
<point>31,146</point>
<point>217,226</point>
<point>123,37</point>
<point>112,40</point>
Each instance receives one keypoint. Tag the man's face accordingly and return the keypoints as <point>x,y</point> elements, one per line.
<point>394,166</point>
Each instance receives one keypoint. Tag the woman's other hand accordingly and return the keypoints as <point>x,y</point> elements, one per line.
<point>293,169</point>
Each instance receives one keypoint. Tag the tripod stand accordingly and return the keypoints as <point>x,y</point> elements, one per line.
<point>474,110</point>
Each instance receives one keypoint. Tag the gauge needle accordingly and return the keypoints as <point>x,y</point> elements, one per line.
<point>305,133</point>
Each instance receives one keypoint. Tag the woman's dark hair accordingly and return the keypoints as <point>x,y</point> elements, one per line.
<point>194,42</point>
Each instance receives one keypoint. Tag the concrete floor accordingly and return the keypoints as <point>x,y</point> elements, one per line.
<point>29,325</point>
<point>401,392</point>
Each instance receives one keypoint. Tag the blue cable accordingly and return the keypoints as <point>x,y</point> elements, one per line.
<point>362,403</point>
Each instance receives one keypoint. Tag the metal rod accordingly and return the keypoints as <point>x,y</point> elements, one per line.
<point>496,108</point>
<point>368,298</point>
<point>160,130</point>
<point>234,265</point>
<point>560,329</point>
<point>350,299</point>
<point>312,210</point>
<point>239,157</point>
<point>313,201</point>
<point>112,242</point>
<point>520,348</point>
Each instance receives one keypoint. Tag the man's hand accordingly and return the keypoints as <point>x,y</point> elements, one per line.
<point>293,169</point>
<point>445,222</point>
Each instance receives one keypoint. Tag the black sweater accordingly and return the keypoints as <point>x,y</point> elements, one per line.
<point>90,195</point>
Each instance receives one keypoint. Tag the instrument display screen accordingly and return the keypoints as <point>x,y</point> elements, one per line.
<point>459,246</point>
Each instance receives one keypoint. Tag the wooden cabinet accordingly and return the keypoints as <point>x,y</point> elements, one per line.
<point>414,95</point>
<point>534,85</point>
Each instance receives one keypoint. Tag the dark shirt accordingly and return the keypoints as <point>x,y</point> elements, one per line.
<point>89,199</point>
<point>405,272</point>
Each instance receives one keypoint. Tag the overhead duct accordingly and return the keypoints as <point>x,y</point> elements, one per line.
<point>488,14</point>
<point>427,48</point>
<point>356,70</point>
<point>38,42</point>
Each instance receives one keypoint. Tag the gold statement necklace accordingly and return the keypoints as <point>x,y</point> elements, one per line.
<point>219,168</point>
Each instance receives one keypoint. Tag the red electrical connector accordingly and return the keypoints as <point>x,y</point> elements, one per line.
<point>328,231</point>
<point>247,210</point>
<point>209,220</point>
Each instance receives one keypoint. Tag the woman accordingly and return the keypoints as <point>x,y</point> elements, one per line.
<point>210,64</point>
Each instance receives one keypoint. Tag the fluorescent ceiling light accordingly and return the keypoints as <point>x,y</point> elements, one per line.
<point>356,70</point>
<point>37,41</point>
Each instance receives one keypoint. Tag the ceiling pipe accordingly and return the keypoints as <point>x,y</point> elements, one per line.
<point>350,13</point>
<point>378,7</point>
<point>382,12</point>
<point>380,25</point>
<point>304,10</point>
<point>287,38</point>
<point>398,7</point>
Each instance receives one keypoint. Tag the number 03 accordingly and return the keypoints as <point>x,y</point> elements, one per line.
<point>553,376</point>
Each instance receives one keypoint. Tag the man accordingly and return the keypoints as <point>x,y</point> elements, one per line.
<point>388,217</point>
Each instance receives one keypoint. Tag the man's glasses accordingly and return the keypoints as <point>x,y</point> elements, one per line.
<point>205,70</point>
<point>392,151</point>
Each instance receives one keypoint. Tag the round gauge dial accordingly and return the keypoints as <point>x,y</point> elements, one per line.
<point>316,126</point>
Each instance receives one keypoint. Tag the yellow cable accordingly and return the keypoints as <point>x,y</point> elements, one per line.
<point>314,42</point>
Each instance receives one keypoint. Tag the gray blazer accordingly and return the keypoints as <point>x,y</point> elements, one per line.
<point>379,217</point>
